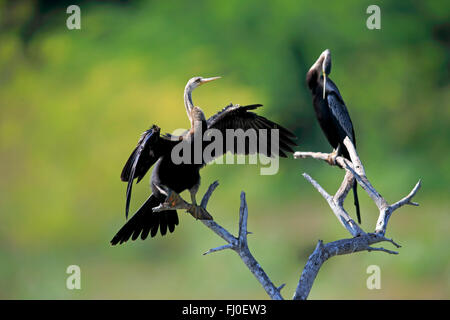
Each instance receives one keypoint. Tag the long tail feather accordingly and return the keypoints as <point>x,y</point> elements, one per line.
<point>355,196</point>
<point>145,221</point>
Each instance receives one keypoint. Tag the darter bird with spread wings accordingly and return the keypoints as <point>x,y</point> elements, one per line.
<point>155,150</point>
<point>331,111</point>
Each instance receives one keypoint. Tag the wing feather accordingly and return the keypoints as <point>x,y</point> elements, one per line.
<point>150,147</point>
<point>240,117</point>
<point>340,112</point>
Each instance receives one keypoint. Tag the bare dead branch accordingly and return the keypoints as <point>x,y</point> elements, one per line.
<point>239,244</point>
<point>323,252</point>
<point>338,210</point>
<point>386,213</point>
<point>361,241</point>
<point>225,246</point>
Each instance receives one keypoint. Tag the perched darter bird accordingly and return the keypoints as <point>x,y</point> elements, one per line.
<point>155,150</point>
<point>331,111</point>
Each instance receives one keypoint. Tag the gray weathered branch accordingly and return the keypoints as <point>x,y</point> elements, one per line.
<point>361,240</point>
<point>239,244</point>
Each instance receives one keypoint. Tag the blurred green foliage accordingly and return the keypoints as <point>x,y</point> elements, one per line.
<point>73,103</point>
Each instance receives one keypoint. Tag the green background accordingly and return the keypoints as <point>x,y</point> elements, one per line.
<point>73,104</point>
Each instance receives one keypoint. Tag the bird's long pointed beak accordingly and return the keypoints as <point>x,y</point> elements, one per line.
<point>209,79</point>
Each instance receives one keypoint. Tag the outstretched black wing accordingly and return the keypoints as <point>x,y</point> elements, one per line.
<point>239,117</point>
<point>150,147</point>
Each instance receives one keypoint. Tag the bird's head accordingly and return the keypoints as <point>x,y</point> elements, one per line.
<point>198,81</point>
<point>191,85</point>
<point>322,65</point>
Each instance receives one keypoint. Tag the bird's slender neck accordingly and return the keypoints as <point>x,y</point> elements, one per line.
<point>188,101</point>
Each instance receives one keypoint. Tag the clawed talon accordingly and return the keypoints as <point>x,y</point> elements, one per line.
<point>332,156</point>
<point>174,201</point>
<point>159,208</point>
<point>199,212</point>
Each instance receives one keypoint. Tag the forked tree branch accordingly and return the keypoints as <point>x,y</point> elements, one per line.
<point>360,241</point>
<point>239,244</point>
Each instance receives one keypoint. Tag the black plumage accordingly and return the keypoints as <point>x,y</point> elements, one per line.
<point>331,111</point>
<point>156,150</point>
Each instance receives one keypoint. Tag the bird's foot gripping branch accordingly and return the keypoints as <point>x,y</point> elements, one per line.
<point>175,201</point>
